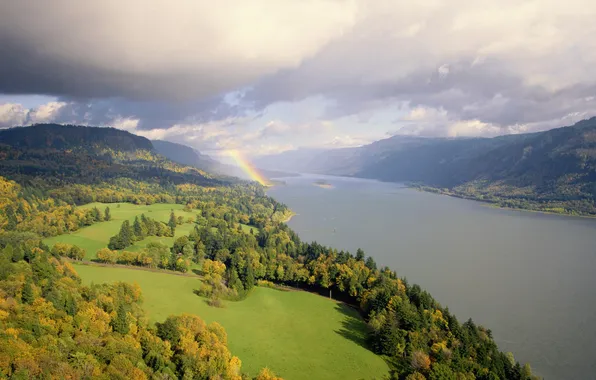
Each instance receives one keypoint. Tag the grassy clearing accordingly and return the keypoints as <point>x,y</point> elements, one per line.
<point>246,228</point>
<point>297,334</point>
<point>97,236</point>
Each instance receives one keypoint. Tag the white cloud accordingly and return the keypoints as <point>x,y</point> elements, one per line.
<point>12,114</point>
<point>45,112</point>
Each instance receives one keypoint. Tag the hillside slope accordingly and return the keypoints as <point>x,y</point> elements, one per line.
<point>185,155</point>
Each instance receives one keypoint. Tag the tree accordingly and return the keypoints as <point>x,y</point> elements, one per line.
<point>140,231</point>
<point>213,272</point>
<point>106,255</point>
<point>234,281</point>
<point>18,254</point>
<point>76,253</point>
<point>249,277</point>
<point>124,238</point>
<point>61,249</point>
<point>267,374</point>
<point>107,215</point>
<point>172,222</point>
<point>181,265</point>
<point>120,321</point>
<point>11,218</point>
<point>359,254</point>
<point>179,244</point>
<point>420,361</point>
<point>371,264</point>
<point>27,295</point>
<point>116,242</point>
<point>96,214</point>
<point>442,371</point>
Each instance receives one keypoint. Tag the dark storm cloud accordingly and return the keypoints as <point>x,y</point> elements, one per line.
<point>493,62</point>
<point>161,50</point>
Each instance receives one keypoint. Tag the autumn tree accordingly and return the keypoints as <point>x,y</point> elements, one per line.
<point>420,361</point>
<point>106,255</point>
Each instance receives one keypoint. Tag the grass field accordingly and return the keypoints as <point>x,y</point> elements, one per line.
<point>297,334</point>
<point>98,235</point>
<point>246,228</point>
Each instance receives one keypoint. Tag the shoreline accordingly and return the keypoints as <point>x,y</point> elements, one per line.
<point>292,214</point>
<point>495,205</point>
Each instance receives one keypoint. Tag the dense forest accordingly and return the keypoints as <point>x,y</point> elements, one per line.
<point>53,324</point>
<point>553,171</point>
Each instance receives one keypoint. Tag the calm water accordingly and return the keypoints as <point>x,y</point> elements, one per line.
<point>529,277</point>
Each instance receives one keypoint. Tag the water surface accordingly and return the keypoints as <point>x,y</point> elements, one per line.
<point>529,277</point>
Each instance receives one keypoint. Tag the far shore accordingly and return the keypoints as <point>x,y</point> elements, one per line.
<point>496,205</point>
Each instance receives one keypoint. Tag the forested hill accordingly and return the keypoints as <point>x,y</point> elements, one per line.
<point>90,155</point>
<point>57,136</point>
<point>553,170</point>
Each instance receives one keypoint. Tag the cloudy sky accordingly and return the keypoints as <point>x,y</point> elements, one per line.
<point>271,75</point>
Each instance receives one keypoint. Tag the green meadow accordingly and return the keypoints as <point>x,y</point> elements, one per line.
<point>298,335</point>
<point>97,236</point>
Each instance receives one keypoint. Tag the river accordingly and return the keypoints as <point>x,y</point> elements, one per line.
<point>529,277</point>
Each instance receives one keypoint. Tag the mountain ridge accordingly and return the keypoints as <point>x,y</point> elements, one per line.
<point>65,136</point>
<point>553,170</point>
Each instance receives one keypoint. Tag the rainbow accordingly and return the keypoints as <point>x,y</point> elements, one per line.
<point>248,168</point>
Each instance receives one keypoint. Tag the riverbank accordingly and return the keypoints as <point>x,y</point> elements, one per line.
<point>508,203</point>
<point>289,217</point>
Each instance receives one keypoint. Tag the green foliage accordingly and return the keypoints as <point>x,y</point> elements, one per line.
<point>27,295</point>
<point>120,324</point>
<point>141,228</point>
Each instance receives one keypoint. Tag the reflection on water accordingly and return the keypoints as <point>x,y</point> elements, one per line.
<point>527,276</point>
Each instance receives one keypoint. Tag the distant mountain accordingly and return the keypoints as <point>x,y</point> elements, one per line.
<point>553,170</point>
<point>343,161</point>
<point>542,160</point>
<point>293,160</point>
<point>56,136</point>
<point>185,155</point>
<point>188,156</point>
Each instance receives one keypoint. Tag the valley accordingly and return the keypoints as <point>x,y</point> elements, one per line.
<point>74,194</point>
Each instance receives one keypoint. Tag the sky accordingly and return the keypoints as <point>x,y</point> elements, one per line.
<point>265,76</point>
